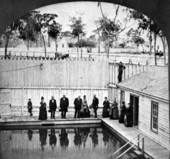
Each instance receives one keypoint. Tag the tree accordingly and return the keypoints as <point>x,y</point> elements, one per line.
<point>29,28</point>
<point>111,28</point>
<point>145,23</point>
<point>164,42</point>
<point>47,25</point>
<point>77,27</point>
<point>135,37</point>
<point>54,31</point>
<point>10,31</point>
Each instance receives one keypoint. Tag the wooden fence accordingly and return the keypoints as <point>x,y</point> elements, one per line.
<point>5,103</point>
<point>129,71</point>
<point>69,73</point>
<point>32,78</point>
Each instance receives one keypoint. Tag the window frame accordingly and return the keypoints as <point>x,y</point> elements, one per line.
<point>154,115</point>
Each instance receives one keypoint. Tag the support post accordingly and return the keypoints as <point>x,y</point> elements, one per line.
<point>143,146</point>
<point>138,142</point>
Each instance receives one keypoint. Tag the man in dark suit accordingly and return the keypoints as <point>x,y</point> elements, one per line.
<point>95,103</point>
<point>53,107</point>
<point>121,67</point>
<point>77,104</point>
<point>64,103</point>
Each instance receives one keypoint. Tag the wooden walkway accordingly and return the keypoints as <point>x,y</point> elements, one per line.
<point>151,147</point>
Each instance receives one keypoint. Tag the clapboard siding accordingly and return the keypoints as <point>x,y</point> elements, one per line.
<point>144,123</point>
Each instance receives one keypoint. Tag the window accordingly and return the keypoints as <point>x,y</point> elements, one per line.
<point>154,116</point>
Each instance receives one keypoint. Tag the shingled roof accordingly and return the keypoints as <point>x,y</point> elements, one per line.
<point>152,82</point>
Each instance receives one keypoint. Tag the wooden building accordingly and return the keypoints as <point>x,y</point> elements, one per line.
<point>148,93</point>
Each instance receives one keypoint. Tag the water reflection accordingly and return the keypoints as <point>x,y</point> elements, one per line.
<point>94,137</point>
<point>105,136</point>
<point>52,139</point>
<point>43,137</point>
<point>64,141</point>
<point>77,138</point>
<point>30,133</point>
<point>84,132</point>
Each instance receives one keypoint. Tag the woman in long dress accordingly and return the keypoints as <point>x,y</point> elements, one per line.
<point>43,110</point>
<point>106,107</point>
<point>122,112</point>
<point>84,113</point>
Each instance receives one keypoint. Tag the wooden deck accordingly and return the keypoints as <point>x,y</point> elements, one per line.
<point>151,147</point>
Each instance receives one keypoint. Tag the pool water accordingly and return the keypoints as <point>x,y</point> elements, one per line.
<point>60,143</point>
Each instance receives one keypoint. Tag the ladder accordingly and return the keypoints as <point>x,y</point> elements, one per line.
<point>130,141</point>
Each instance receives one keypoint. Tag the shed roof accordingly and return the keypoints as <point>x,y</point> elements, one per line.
<point>153,81</point>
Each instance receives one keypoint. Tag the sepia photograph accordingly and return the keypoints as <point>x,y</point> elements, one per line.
<point>84,79</point>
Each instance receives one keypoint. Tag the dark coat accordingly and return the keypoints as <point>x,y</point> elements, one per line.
<point>29,105</point>
<point>43,111</point>
<point>122,113</point>
<point>95,103</point>
<point>64,103</point>
<point>78,103</point>
<point>106,106</point>
<point>53,105</point>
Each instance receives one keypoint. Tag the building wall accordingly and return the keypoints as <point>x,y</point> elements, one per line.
<point>144,123</point>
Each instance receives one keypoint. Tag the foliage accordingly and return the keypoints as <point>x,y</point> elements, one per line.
<point>85,43</point>
<point>77,27</point>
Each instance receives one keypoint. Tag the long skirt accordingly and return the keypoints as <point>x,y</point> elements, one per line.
<point>43,114</point>
<point>121,118</point>
<point>105,112</point>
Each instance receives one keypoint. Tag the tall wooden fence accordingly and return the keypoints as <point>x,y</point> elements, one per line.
<point>33,78</point>
<point>83,73</point>
<point>129,71</point>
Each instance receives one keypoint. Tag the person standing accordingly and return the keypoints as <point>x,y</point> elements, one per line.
<point>29,106</point>
<point>128,120</point>
<point>114,110</point>
<point>77,104</point>
<point>95,104</point>
<point>120,71</point>
<point>84,113</point>
<point>122,112</point>
<point>43,110</point>
<point>52,107</point>
<point>64,103</point>
<point>106,107</point>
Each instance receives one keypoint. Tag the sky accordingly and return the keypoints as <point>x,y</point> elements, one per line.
<point>89,11</point>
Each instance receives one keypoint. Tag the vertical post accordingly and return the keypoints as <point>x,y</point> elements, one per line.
<point>143,146</point>
<point>22,101</point>
<point>138,141</point>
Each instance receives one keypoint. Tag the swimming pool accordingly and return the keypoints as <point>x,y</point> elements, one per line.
<point>85,142</point>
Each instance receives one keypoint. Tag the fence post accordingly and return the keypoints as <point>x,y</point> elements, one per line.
<point>22,102</point>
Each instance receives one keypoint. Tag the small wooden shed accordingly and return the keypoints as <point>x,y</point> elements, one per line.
<point>148,93</point>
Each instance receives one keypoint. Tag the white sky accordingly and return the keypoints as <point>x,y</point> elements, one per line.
<point>89,11</point>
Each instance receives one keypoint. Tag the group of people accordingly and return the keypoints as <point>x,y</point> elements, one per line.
<point>126,112</point>
<point>80,105</point>
<point>82,109</point>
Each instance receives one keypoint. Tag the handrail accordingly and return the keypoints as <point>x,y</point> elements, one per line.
<point>126,144</point>
<point>129,148</point>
